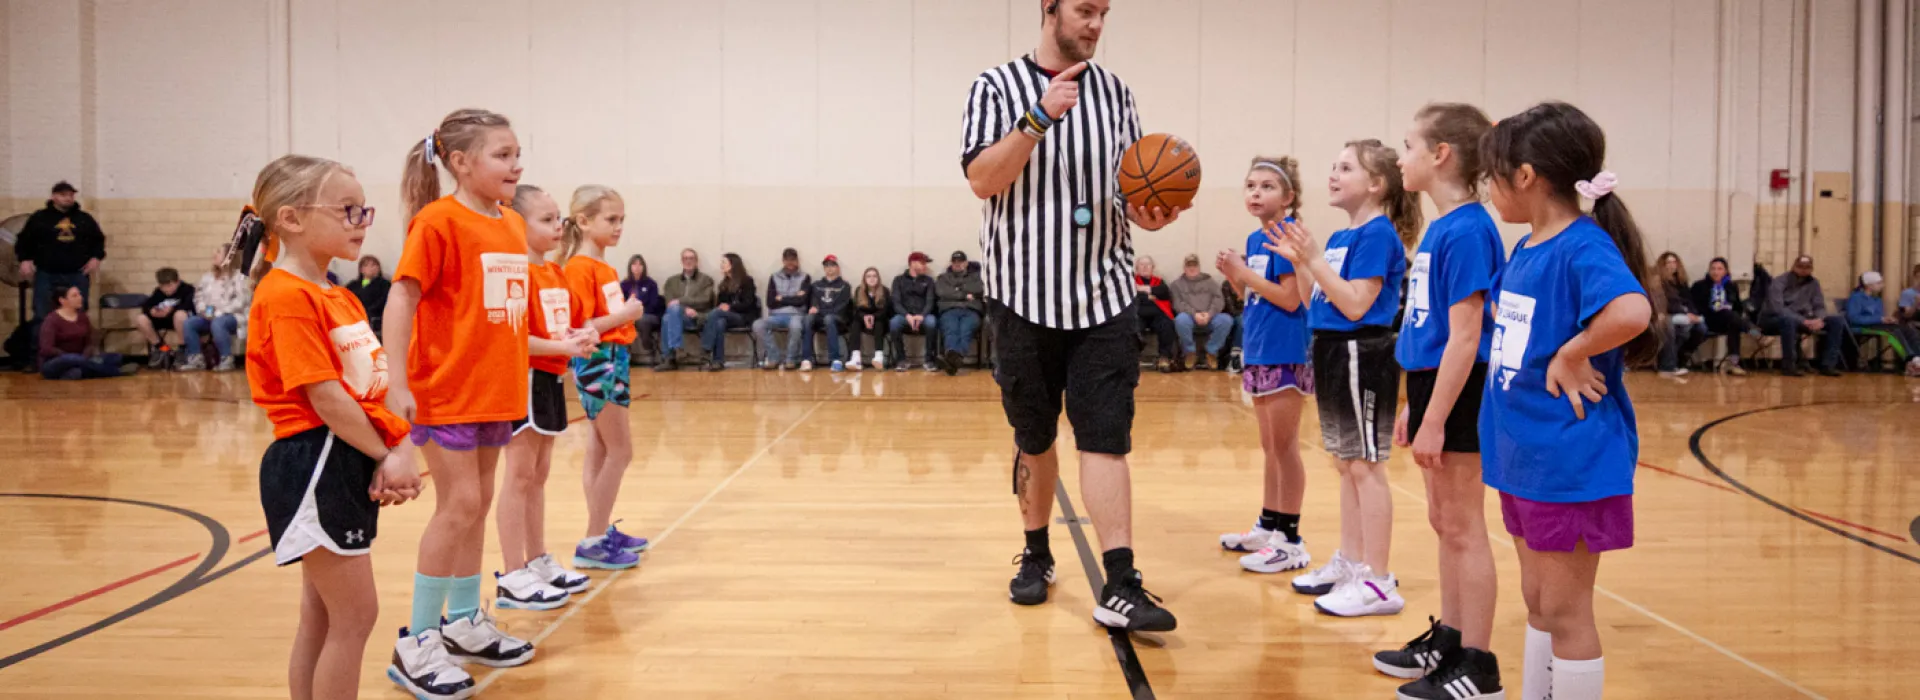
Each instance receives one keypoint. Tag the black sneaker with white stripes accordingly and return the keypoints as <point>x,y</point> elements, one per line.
<point>1466,674</point>
<point>1126,604</point>
<point>1029,587</point>
<point>1420,655</point>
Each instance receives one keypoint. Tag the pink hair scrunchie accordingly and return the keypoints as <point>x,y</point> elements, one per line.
<point>1600,186</point>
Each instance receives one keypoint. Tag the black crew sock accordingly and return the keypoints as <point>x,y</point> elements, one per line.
<point>1269,519</point>
<point>1288,523</point>
<point>1037,543</point>
<point>1119,563</point>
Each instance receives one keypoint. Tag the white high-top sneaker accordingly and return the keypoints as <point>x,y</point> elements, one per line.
<point>527,589</point>
<point>559,576</point>
<point>478,640</point>
<point>1321,581</point>
<point>422,668</point>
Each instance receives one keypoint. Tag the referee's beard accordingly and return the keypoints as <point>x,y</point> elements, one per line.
<point>1073,49</point>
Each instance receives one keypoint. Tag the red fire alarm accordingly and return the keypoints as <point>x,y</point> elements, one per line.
<point>1778,180</point>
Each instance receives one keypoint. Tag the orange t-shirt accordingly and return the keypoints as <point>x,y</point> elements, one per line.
<point>301,334</point>
<point>558,312</point>
<point>470,333</point>
<point>597,286</point>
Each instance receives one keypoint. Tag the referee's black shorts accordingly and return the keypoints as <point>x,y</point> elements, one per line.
<point>1096,369</point>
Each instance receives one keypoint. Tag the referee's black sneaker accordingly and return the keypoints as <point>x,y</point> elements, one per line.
<point>1029,587</point>
<point>1466,674</point>
<point>1126,604</point>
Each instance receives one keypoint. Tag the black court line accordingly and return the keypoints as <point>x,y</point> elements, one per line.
<point>1701,455</point>
<point>1122,644</point>
<point>194,579</point>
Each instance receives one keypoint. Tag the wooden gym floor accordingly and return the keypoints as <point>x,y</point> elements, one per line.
<point>823,536</point>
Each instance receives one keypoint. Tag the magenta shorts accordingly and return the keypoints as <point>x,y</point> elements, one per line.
<point>1267,380</point>
<point>1606,524</point>
<point>464,437</point>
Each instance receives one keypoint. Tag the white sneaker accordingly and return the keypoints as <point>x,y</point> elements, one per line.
<point>227,364</point>
<point>559,576</point>
<point>422,668</point>
<point>854,363</point>
<point>193,364</point>
<point>879,360</point>
<point>527,589</point>
<point>478,640</point>
<point>1279,555</point>
<point>1363,594</point>
<point>806,365</point>
<point>1321,581</point>
<point>1249,541</point>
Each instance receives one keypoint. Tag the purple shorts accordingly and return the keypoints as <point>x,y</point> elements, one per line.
<point>464,437</point>
<point>1606,524</point>
<point>1267,380</point>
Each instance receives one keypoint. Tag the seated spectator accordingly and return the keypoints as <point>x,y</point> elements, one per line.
<point>1197,301</point>
<point>223,297</point>
<point>1910,299</point>
<point>1717,299</point>
<point>1235,306</point>
<point>872,309</point>
<point>913,311</point>
<point>1795,305</point>
<point>1154,304</point>
<point>787,303</point>
<point>1689,328</point>
<point>736,305</point>
<point>1867,313</point>
<point>832,310</point>
<point>164,311</point>
<point>690,296</point>
<point>639,285</point>
<point>961,296</point>
<point>371,288</point>
<point>66,335</point>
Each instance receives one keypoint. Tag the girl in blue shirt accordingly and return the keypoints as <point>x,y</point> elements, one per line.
<point>1276,373</point>
<point>1558,432</point>
<point>1353,290</point>
<point>1444,339</point>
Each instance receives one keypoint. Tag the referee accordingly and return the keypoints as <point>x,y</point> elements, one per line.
<point>1042,145</point>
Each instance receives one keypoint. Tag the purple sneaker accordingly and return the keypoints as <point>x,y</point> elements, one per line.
<point>603,555</point>
<point>624,541</point>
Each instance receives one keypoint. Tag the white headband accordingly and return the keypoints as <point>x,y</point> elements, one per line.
<point>1275,168</point>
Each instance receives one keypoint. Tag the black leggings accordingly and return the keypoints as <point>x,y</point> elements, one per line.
<point>1729,324</point>
<point>1156,322</point>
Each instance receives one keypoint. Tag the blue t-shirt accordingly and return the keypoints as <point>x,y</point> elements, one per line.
<point>1908,296</point>
<point>1531,445</point>
<point>1371,250</point>
<point>1459,257</point>
<point>1271,335</point>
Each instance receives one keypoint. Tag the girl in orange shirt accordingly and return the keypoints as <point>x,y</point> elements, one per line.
<point>595,224</point>
<point>339,454</point>
<point>458,310</point>
<point>533,581</point>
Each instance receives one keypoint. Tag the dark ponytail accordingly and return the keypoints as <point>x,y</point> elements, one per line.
<point>1565,148</point>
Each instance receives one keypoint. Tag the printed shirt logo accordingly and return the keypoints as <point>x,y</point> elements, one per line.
<point>1337,259</point>
<point>1419,303</point>
<point>504,288</point>
<point>363,363</point>
<point>1259,265</point>
<point>615,298</point>
<point>555,308</point>
<point>1513,327</point>
<point>65,228</point>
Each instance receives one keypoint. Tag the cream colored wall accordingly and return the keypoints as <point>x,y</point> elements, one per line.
<point>832,125</point>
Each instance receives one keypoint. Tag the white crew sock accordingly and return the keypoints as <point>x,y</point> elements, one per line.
<point>591,541</point>
<point>1536,667</point>
<point>1578,680</point>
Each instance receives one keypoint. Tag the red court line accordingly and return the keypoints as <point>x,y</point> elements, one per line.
<point>254,536</point>
<point>1823,516</point>
<point>95,593</point>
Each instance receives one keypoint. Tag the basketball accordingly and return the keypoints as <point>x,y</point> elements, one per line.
<point>1160,170</point>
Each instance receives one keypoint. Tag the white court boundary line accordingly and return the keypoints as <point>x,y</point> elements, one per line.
<point>1636,607</point>
<point>662,537</point>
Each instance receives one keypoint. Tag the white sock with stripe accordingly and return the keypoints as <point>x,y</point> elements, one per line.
<point>1536,667</point>
<point>1578,680</point>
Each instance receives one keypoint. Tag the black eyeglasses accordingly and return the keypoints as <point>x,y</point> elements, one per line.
<point>356,215</point>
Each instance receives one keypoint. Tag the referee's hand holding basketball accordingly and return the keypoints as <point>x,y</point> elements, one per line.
<point>1063,92</point>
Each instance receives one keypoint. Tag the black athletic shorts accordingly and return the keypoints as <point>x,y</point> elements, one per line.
<point>1357,384</point>
<point>1463,424</point>
<point>546,404</point>
<point>1095,369</point>
<point>313,487</point>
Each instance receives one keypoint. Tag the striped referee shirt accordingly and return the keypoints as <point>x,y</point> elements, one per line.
<point>1038,261</point>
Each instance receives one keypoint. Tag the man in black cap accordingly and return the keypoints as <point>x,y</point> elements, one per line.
<point>961,294</point>
<point>60,246</point>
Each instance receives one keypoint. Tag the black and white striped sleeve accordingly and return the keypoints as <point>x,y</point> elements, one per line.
<point>1131,122</point>
<point>984,122</point>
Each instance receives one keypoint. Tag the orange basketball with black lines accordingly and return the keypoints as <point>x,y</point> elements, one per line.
<point>1160,170</point>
